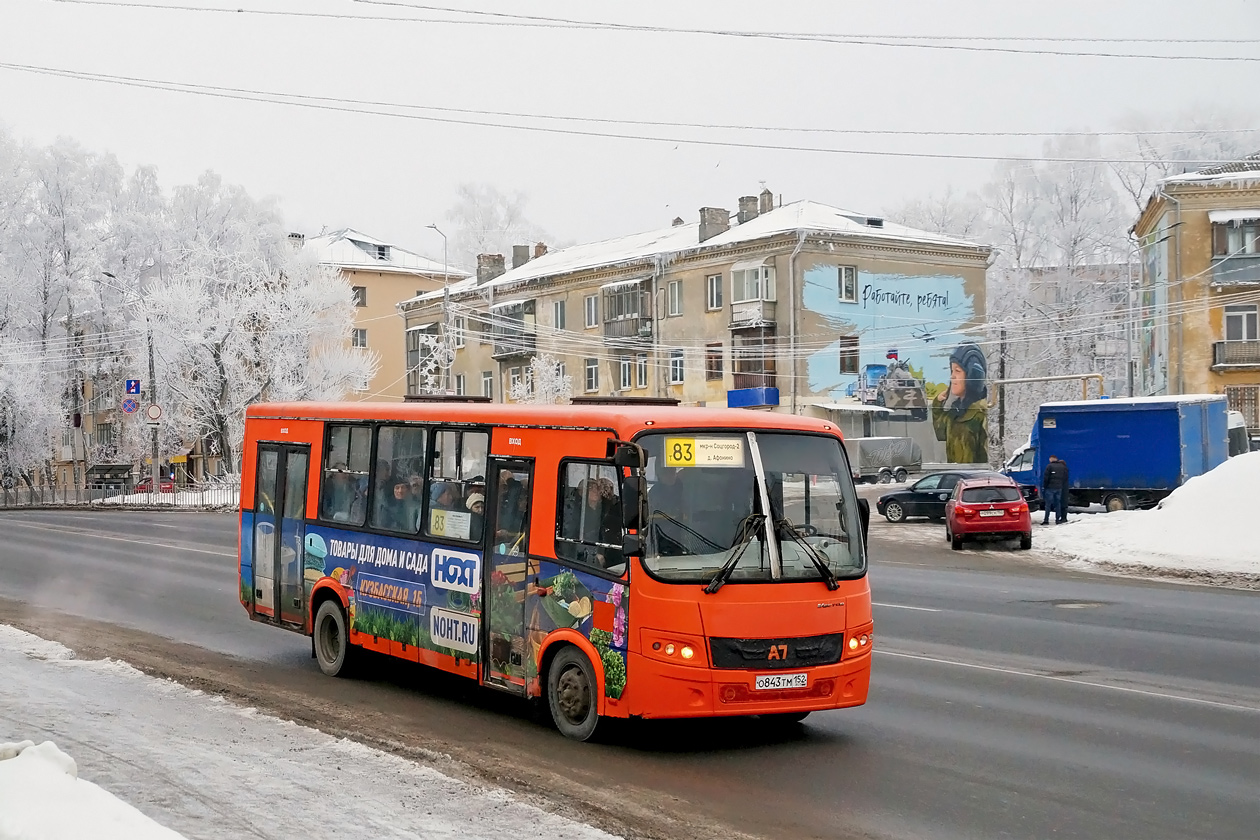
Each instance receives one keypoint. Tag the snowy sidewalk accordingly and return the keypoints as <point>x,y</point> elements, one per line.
<point>1207,531</point>
<point>208,769</point>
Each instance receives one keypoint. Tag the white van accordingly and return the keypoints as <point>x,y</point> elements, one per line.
<point>1238,440</point>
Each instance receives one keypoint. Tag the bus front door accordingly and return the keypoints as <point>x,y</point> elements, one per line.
<point>279,531</point>
<point>506,573</point>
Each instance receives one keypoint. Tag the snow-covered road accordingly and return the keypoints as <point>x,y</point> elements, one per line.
<point>208,769</point>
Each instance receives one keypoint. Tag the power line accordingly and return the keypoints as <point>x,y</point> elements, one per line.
<point>959,43</point>
<point>337,105</point>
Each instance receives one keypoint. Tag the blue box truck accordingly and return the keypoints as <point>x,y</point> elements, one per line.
<point>1125,453</point>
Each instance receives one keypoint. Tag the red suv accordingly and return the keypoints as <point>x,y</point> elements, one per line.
<point>987,506</point>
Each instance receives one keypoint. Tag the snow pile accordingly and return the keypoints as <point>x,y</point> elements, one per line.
<point>1206,527</point>
<point>43,798</point>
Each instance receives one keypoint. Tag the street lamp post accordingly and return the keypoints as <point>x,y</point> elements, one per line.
<point>446,296</point>
<point>154,471</point>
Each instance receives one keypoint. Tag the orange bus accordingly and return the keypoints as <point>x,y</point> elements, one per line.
<point>611,560</point>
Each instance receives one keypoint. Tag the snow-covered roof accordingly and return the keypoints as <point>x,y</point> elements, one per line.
<point>1122,401</point>
<point>1245,170</point>
<point>1217,217</point>
<point>352,249</point>
<point>808,216</point>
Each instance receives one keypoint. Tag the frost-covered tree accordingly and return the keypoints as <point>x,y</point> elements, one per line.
<point>543,383</point>
<point>488,221</point>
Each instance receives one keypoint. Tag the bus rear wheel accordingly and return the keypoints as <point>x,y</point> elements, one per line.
<point>571,696</point>
<point>333,650</point>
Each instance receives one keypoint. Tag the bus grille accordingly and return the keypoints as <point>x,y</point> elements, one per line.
<point>777,653</point>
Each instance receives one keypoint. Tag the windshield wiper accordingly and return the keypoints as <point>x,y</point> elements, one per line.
<point>686,528</point>
<point>786,525</point>
<point>749,527</point>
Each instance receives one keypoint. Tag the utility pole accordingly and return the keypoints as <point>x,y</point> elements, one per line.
<point>155,473</point>
<point>1002,392</point>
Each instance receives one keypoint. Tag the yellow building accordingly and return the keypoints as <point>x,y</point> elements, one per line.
<point>381,275</point>
<point>782,307</point>
<point>1199,303</point>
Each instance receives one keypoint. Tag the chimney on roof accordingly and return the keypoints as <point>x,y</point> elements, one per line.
<point>540,249</point>
<point>677,221</point>
<point>766,200</point>
<point>297,240</point>
<point>713,220</point>
<point>520,255</point>
<point>748,208</point>
<point>489,266</point>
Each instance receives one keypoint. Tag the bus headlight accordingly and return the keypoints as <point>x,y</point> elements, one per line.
<point>686,652</point>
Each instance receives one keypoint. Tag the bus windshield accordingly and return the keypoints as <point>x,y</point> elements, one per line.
<point>707,499</point>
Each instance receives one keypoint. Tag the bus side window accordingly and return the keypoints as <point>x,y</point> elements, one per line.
<point>457,485</point>
<point>399,479</point>
<point>344,482</point>
<point>588,520</point>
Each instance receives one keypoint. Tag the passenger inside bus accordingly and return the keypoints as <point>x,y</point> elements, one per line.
<point>591,522</point>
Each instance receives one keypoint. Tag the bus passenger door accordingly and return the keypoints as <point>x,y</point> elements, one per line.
<point>505,575</point>
<point>279,531</point>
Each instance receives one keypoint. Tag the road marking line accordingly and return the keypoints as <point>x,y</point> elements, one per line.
<point>64,530</point>
<point>904,607</point>
<point>1012,671</point>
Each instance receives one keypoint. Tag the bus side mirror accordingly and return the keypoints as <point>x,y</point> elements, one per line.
<point>633,500</point>
<point>626,454</point>
<point>864,513</point>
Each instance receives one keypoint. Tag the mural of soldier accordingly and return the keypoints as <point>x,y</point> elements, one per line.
<point>960,413</point>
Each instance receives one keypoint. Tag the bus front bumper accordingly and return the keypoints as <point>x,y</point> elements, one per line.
<point>664,690</point>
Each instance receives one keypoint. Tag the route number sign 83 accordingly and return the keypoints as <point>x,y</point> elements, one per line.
<point>680,452</point>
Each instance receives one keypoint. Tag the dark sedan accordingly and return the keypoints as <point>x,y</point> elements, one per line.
<point>926,497</point>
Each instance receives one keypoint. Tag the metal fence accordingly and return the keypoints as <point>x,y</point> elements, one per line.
<point>209,496</point>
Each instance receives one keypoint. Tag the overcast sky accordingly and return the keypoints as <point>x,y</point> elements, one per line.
<point>390,177</point>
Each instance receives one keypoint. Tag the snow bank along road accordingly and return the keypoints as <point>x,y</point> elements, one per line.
<point>1009,699</point>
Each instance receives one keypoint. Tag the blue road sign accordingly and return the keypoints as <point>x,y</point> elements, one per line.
<point>133,386</point>
<point>130,406</point>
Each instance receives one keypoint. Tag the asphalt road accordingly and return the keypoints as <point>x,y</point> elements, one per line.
<point>1009,699</point>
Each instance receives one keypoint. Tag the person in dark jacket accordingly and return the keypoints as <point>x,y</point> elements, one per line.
<point>1054,490</point>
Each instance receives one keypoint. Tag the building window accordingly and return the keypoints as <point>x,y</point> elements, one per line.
<point>714,292</point>
<point>461,326</point>
<point>1245,399</point>
<point>360,295</point>
<point>675,367</point>
<point>752,284</point>
<point>641,367</point>
<point>514,377</point>
<point>1241,323</point>
<point>592,374</point>
<point>460,390</point>
<point>849,354</point>
<point>592,311</point>
<point>1238,238</point>
<point>846,280</point>
<point>674,294</point>
<point>627,373</point>
<point>713,361</point>
<point>358,338</point>
<point>487,384</point>
<point>557,314</point>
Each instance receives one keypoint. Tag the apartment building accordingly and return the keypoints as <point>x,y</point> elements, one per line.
<point>775,306</point>
<point>382,275</point>
<point>1199,319</point>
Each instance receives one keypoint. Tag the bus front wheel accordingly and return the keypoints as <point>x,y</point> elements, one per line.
<point>571,696</point>
<point>333,651</point>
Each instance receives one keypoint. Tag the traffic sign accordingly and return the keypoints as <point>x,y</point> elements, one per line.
<point>130,406</point>
<point>133,386</point>
<point>154,412</point>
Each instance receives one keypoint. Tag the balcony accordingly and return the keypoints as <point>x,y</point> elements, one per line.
<point>509,343</point>
<point>1238,270</point>
<point>1235,355</point>
<point>764,379</point>
<point>752,313</point>
<point>632,327</point>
